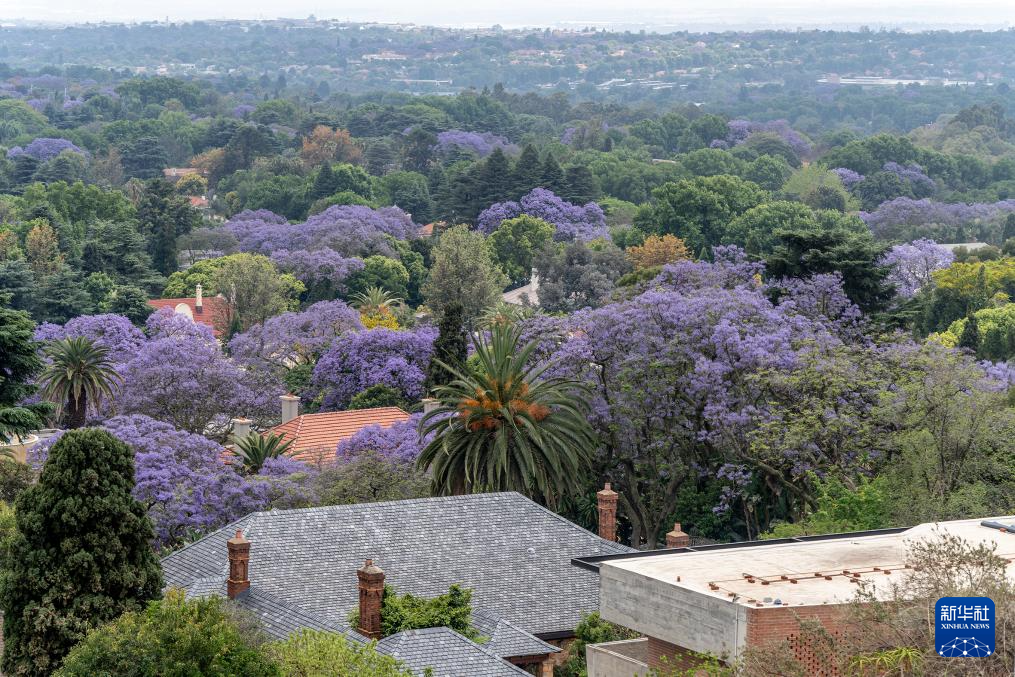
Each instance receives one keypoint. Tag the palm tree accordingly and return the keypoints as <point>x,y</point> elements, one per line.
<point>506,428</point>
<point>79,374</point>
<point>254,450</point>
<point>375,300</point>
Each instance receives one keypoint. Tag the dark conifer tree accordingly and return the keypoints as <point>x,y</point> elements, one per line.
<point>581,185</point>
<point>82,553</point>
<point>325,184</point>
<point>449,348</point>
<point>528,172</point>
<point>553,176</point>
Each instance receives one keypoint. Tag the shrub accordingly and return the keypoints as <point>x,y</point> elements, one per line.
<point>14,479</point>
<point>325,654</point>
<point>408,612</point>
<point>173,636</point>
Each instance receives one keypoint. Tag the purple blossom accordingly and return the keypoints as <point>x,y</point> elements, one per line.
<point>397,442</point>
<point>905,211</point>
<point>114,332</point>
<point>912,265</point>
<point>567,138</point>
<point>913,174</point>
<point>397,359</point>
<point>164,323</point>
<point>351,230</point>
<point>243,110</point>
<point>291,339</point>
<point>181,479</point>
<point>71,104</point>
<point>573,222</point>
<point>38,104</point>
<point>848,177</point>
<point>44,148</point>
<point>822,299</point>
<point>480,143</point>
<point>318,266</point>
<point>741,130</point>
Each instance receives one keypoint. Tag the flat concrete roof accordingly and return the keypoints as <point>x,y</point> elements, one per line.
<point>806,573</point>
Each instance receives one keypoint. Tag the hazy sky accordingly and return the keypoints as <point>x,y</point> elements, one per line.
<point>665,14</point>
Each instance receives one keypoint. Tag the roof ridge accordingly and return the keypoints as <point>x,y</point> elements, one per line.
<point>578,526</point>
<point>402,501</point>
<point>190,545</point>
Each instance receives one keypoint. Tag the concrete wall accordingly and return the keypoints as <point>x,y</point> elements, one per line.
<point>626,658</point>
<point>674,614</point>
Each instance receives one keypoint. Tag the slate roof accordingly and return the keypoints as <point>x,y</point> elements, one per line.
<point>315,437</point>
<point>448,653</point>
<point>505,639</point>
<point>514,554</point>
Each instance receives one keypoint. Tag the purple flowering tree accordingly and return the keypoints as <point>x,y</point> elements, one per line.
<point>399,442</point>
<point>482,144</point>
<point>573,222</point>
<point>351,230</point>
<point>186,487</point>
<point>897,218</point>
<point>182,377</point>
<point>913,174</point>
<point>397,359</point>
<point>913,264</point>
<point>293,339</point>
<point>321,267</point>
<point>44,148</point>
<point>114,332</point>
<point>848,177</point>
<point>822,299</point>
<point>742,130</point>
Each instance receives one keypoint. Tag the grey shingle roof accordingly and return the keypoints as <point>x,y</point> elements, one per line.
<point>514,554</point>
<point>447,653</point>
<point>506,639</point>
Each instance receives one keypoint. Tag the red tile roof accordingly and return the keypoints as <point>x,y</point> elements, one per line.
<point>316,436</point>
<point>213,312</point>
<point>198,201</point>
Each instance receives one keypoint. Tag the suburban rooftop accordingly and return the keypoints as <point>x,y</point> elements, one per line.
<point>805,572</point>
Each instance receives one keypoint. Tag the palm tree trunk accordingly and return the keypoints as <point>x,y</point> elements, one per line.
<point>77,409</point>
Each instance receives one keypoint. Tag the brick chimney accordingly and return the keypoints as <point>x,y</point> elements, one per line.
<point>371,593</point>
<point>241,429</point>
<point>677,538</point>
<point>607,501</point>
<point>429,404</point>
<point>239,561</point>
<point>198,300</point>
<point>290,407</point>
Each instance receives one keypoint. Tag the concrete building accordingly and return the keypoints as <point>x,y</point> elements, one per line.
<point>722,599</point>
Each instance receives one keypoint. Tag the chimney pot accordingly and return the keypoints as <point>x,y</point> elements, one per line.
<point>199,299</point>
<point>371,595</point>
<point>241,429</point>
<point>239,563</point>
<point>290,407</point>
<point>429,404</point>
<point>606,499</point>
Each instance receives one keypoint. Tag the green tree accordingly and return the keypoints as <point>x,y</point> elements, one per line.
<point>463,272</point>
<point>380,271</point>
<point>527,173</point>
<point>494,179</point>
<point>378,395</point>
<point>970,337</point>
<point>143,158</point>
<point>80,373</point>
<point>552,176</point>
<point>699,210</point>
<point>310,653</point>
<point>515,242</point>
<point>82,555</point>
<point>805,251</point>
<point>580,185</point>
<point>253,450</point>
<point>20,359</point>
<point>172,636</point>
<point>130,302</point>
<point>754,230</point>
<point>506,427</point>
<point>449,349</point>
<point>164,216</point>
<point>254,289</point>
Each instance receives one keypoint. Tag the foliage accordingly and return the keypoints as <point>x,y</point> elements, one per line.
<point>377,396</point>
<point>79,374</point>
<point>409,612</point>
<point>449,349</point>
<point>913,264</point>
<point>463,272</point>
<point>572,222</point>
<point>82,555</point>
<point>253,450</point>
<point>591,629</point>
<point>507,427</point>
<point>254,289</point>
<point>310,653</point>
<point>657,251</point>
<point>578,276</point>
<point>842,508</point>
<point>515,241</point>
<point>14,479</point>
<point>368,475</point>
<point>699,210</point>
<point>172,636</point>
<point>20,365</point>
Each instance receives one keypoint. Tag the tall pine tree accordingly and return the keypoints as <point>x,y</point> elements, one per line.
<point>325,184</point>
<point>449,348</point>
<point>82,554</point>
<point>20,359</point>
<point>494,179</point>
<point>528,172</point>
<point>553,175</point>
<point>581,185</point>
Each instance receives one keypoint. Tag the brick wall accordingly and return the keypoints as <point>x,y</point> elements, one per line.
<point>769,625</point>
<point>669,658</point>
